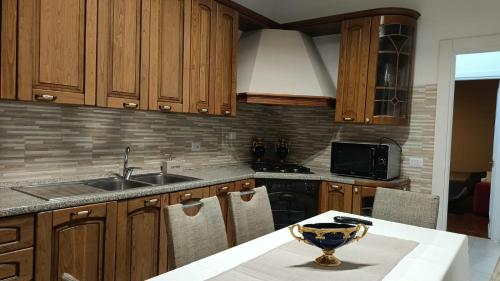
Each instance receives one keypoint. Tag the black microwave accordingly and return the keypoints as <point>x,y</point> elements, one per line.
<point>378,161</point>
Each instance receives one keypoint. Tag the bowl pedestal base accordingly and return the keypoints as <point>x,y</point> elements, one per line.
<point>328,259</point>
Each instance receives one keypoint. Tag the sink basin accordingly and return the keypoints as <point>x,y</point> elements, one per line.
<point>162,179</point>
<point>113,184</point>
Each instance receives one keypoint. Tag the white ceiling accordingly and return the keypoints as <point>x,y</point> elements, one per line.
<point>284,11</point>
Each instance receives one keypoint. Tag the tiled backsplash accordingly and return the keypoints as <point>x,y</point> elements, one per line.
<point>42,141</point>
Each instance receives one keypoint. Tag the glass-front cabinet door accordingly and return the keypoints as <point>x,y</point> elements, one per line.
<point>390,70</point>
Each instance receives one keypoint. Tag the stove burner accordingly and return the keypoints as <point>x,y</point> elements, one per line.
<point>272,167</point>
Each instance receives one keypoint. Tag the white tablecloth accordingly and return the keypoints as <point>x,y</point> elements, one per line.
<point>439,256</point>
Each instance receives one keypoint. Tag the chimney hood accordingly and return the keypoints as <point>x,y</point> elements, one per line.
<point>282,67</point>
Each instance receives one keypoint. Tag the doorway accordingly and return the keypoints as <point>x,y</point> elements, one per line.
<point>449,50</point>
<point>471,163</point>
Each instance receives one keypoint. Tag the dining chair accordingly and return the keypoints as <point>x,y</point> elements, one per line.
<point>406,207</point>
<point>191,238</point>
<point>68,277</point>
<point>253,218</point>
<point>496,273</point>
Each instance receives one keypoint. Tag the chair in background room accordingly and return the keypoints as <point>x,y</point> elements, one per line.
<point>252,218</point>
<point>406,207</point>
<point>192,238</point>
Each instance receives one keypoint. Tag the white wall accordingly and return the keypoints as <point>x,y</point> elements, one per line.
<point>441,19</point>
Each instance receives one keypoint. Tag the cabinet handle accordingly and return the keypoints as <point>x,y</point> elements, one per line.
<point>356,190</point>
<point>130,105</point>
<point>336,187</point>
<point>348,119</point>
<point>81,214</point>
<point>44,97</point>
<point>186,195</point>
<point>151,202</point>
<point>223,189</point>
<point>246,183</point>
<point>165,108</point>
<point>367,120</point>
<point>227,112</point>
<point>202,110</point>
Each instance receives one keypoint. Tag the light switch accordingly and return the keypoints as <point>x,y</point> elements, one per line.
<point>195,146</point>
<point>416,162</point>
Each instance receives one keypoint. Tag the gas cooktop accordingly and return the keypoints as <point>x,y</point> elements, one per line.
<point>278,167</point>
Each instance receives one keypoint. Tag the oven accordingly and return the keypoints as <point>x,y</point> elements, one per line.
<point>292,201</point>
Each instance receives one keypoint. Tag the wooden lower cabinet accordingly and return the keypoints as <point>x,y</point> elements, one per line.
<point>141,251</point>
<point>16,233</point>
<point>362,200</point>
<point>335,196</point>
<point>80,241</point>
<point>17,265</point>
<point>222,191</point>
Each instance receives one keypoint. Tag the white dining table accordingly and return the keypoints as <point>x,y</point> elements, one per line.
<point>439,255</point>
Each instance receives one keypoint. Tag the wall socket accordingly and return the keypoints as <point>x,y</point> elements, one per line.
<point>416,162</point>
<point>195,146</point>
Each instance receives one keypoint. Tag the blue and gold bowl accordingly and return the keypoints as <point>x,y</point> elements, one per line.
<point>328,237</point>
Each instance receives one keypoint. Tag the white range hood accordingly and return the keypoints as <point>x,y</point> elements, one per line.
<point>282,67</point>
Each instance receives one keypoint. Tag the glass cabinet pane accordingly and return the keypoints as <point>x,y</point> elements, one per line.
<point>394,61</point>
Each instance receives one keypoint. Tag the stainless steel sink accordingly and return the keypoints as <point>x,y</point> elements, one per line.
<point>112,184</point>
<point>162,179</point>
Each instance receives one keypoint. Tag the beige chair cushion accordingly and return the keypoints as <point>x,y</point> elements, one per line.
<point>251,219</point>
<point>406,207</point>
<point>194,237</point>
<point>496,274</point>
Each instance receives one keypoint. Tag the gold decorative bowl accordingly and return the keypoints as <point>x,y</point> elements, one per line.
<point>328,237</point>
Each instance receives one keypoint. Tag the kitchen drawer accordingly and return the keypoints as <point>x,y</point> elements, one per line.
<point>76,213</point>
<point>17,265</point>
<point>16,233</point>
<point>245,184</point>
<point>185,195</point>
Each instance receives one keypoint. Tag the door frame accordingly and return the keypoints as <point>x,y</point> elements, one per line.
<point>448,50</point>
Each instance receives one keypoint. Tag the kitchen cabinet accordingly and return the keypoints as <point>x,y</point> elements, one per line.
<point>245,185</point>
<point>8,49</point>
<point>335,196</point>
<point>170,55</point>
<point>362,200</point>
<point>123,53</point>
<point>213,58</point>
<point>80,241</point>
<point>16,247</point>
<point>353,70</point>
<point>57,51</point>
<point>141,240</point>
<point>222,191</point>
<point>376,70</point>
<point>225,61</point>
<point>185,196</point>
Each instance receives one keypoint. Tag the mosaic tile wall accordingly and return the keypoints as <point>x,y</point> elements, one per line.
<point>41,141</point>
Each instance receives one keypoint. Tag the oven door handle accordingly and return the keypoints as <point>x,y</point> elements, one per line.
<point>287,196</point>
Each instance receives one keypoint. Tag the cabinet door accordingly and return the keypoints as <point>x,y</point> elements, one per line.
<point>225,60</point>
<point>57,51</point>
<point>362,200</point>
<point>79,241</point>
<point>16,233</point>
<point>8,50</point>
<point>170,44</point>
<point>203,36</point>
<point>390,74</point>
<point>123,57</point>
<point>353,70</point>
<point>141,238</point>
<point>335,196</point>
<point>221,191</point>
<point>17,265</point>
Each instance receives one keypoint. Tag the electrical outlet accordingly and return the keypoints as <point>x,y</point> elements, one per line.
<point>195,146</point>
<point>231,136</point>
<point>416,162</point>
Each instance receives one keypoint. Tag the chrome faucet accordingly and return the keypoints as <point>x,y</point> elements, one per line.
<point>127,171</point>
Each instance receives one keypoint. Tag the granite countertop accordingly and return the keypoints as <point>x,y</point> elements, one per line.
<point>13,202</point>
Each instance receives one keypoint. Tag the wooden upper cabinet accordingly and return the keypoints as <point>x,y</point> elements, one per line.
<point>79,241</point>
<point>353,70</point>
<point>123,53</point>
<point>203,37</point>
<point>170,44</point>
<point>141,238</point>
<point>226,54</point>
<point>57,51</point>
<point>8,49</point>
